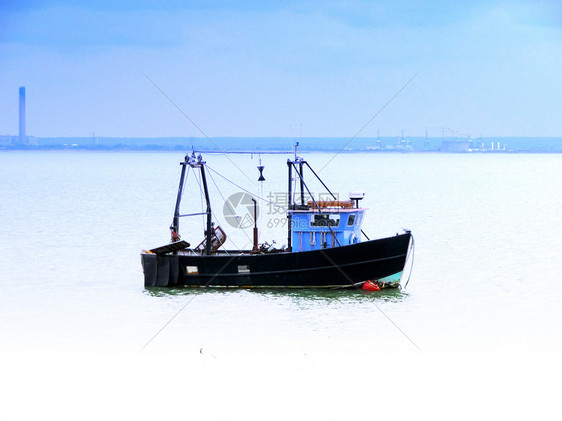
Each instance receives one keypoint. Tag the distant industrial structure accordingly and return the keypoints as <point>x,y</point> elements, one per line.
<point>451,143</point>
<point>21,139</point>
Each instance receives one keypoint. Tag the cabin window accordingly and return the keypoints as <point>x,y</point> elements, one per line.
<point>243,269</point>
<point>325,220</point>
<point>192,270</point>
<point>359,218</point>
<point>351,220</point>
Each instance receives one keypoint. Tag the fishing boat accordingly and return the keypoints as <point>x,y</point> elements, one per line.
<point>325,246</point>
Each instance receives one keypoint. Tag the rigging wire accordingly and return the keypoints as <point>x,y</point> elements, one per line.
<point>203,210</point>
<point>246,152</point>
<point>247,191</point>
<point>185,182</point>
<point>231,210</point>
<point>212,213</point>
<point>182,190</point>
<point>315,203</point>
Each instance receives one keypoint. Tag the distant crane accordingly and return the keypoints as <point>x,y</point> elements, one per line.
<point>442,129</point>
<point>403,142</point>
<point>439,128</point>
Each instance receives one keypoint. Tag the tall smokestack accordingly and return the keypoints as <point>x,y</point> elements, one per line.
<point>22,139</point>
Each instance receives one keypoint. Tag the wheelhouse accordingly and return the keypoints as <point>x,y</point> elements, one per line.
<point>333,227</point>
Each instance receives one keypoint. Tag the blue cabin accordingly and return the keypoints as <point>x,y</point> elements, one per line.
<point>329,226</point>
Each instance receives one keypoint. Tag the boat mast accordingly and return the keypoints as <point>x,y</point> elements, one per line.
<point>290,206</point>
<point>301,176</point>
<point>299,171</point>
<point>208,212</point>
<point>176,221</point>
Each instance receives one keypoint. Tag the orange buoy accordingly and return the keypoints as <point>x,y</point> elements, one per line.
<point>370,286</point>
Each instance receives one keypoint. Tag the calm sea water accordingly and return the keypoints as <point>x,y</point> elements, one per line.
<point>483,303</point>
<point>486,275</point>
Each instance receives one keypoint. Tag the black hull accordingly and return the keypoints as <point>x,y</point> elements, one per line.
<point>332,267</point>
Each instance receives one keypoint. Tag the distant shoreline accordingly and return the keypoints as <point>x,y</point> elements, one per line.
<point>187,150</point>
<point>395,144</point>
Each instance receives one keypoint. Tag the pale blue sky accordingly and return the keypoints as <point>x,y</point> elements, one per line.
<point>282,68</point>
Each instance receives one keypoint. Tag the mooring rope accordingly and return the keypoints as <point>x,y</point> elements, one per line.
<point>412,250</point>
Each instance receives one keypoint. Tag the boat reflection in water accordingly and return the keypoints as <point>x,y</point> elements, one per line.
<point>296,295</point>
